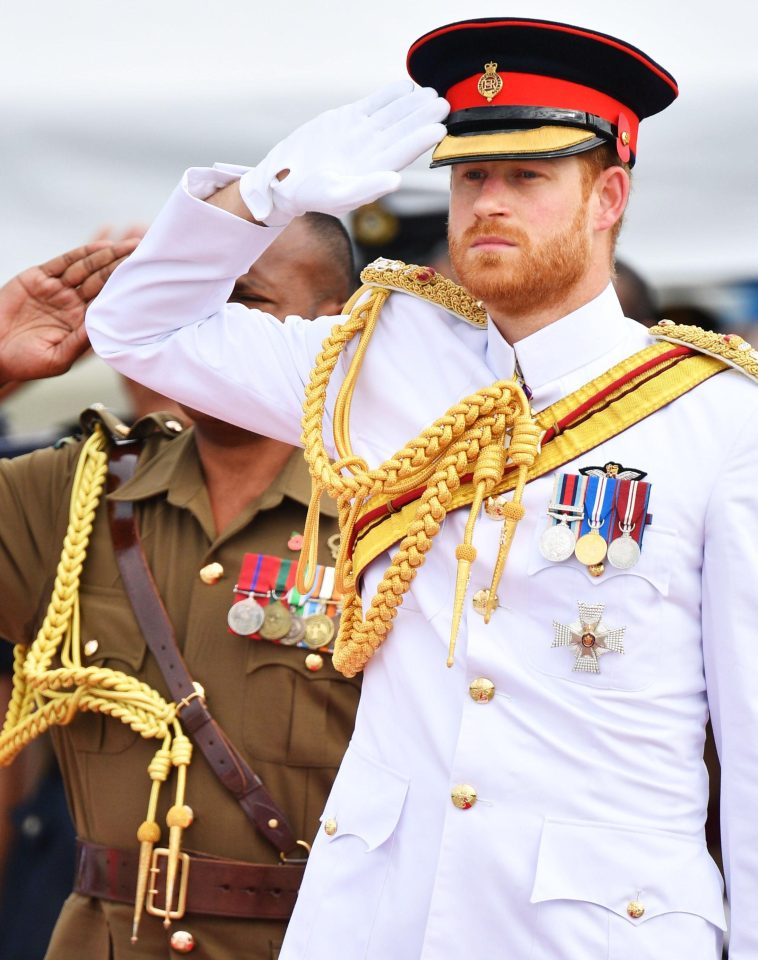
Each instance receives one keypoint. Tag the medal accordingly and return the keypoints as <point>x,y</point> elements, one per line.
<point>295,633</point>
<point>319,631</point>
<point>245,617</point>
<point>589,637</point>
<point>592,547</point>
<point>633,496</point>
<point>276,621</point>
<point>558,541</point>
<point>567,508</point>
<point>624,552</point>
<point>319,628</point>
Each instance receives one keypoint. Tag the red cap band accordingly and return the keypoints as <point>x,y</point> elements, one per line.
<point>532,90</point>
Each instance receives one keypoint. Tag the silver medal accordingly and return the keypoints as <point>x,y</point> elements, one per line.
<point>623,552</point>
<point>557,542</point>
<point>245,617</point>
<point>295,633</point>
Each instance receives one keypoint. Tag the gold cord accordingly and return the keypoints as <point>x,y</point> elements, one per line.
<point>481,434</point>
<point>44,695</point>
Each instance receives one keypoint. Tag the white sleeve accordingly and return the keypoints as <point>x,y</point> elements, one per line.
<point>730,647</point>
<point>163,320</point>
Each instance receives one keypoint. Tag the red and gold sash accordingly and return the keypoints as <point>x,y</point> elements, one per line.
<point>596,412</point>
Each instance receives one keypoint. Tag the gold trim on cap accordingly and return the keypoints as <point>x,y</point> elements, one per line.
<point>511,143</point>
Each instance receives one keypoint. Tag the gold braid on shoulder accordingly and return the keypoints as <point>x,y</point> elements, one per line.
<point>45,695</point>
<point>478,435</point>
<point>729,347</point>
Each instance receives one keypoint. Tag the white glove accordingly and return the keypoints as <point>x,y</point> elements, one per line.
<point>345,157</point>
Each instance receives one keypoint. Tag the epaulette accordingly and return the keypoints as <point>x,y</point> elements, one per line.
<point>427,284</point>
<point>163,423</point>
<point>729,347</point>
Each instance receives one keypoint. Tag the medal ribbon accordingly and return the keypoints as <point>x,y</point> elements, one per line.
<point>567,504</point>
<point>600,494</point>
<point>248,575</point>
<point>313,602</point>
<point>285,578</point>
<point>632,499</point>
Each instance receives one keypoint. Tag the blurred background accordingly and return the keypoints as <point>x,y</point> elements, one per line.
<point>102,106</point>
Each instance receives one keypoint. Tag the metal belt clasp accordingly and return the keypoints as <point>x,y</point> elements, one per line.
<point>285,858</point>
<point>152,892</point>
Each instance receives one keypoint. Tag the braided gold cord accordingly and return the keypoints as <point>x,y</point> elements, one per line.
<point>738,353</point>
<point>480,434</point>
<point>44,696</point>
<point>426,283</point>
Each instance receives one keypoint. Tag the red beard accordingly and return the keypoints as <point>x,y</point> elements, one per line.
<point>540,276</point>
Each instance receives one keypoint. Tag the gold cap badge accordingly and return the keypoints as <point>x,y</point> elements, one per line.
<point>490,83</point>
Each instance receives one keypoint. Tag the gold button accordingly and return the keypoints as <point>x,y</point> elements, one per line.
<point>479,600</point>
<point>211,573</point>
<point>625,138</point>
<point>273,823</point>
<point>330,827</point>
<point>90,648</point>
<point>635,909</point>
<point>314,662</point>
<point>481,690</point>
<point>463,796</point>
<point>182,941</point>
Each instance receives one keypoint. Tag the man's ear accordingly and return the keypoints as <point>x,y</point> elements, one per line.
<point>611,192</point>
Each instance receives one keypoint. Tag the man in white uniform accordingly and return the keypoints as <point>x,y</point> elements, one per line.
<point>545,797</point>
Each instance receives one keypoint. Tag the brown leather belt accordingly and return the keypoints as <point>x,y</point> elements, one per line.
<point>214,886</point>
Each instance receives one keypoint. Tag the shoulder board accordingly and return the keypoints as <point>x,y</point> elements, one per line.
<point>155,423</point>
<point>729,347</point>
<point>426,283</point>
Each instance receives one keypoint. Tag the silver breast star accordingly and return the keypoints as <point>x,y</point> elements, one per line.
<point>589,637</point>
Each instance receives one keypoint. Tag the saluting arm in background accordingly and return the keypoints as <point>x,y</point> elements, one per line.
<point>42,310</point>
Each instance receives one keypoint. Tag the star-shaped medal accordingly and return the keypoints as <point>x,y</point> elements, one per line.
<point>589,637</point>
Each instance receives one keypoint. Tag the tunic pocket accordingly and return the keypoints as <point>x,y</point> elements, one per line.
<point>351,857</point>
<point>110,637</point>
<point>625,893</point>
<point>632,599</point>
<point>292,715</point>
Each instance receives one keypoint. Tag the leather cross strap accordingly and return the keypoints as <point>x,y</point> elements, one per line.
<point>224,759</point>
<point>216,887</point>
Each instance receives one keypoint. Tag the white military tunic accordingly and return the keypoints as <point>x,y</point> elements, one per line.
<point>591,788</point>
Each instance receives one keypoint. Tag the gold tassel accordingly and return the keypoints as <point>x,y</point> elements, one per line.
<point>178,818</point>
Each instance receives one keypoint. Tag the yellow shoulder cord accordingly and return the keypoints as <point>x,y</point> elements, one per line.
<point>44,695</point>
<point>480,434</point>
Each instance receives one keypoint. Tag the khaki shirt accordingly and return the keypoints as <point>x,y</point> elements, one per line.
<point>292,725</point>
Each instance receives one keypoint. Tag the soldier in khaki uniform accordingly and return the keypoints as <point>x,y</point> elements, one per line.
<point>204,498</point>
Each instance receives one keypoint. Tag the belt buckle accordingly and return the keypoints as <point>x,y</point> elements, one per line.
<point>166,912</point>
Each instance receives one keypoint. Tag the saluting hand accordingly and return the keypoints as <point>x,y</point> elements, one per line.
<point>345,157</point>
<point>42,310</point>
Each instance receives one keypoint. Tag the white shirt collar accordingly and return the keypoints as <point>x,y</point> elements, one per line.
<point>563,346</point>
